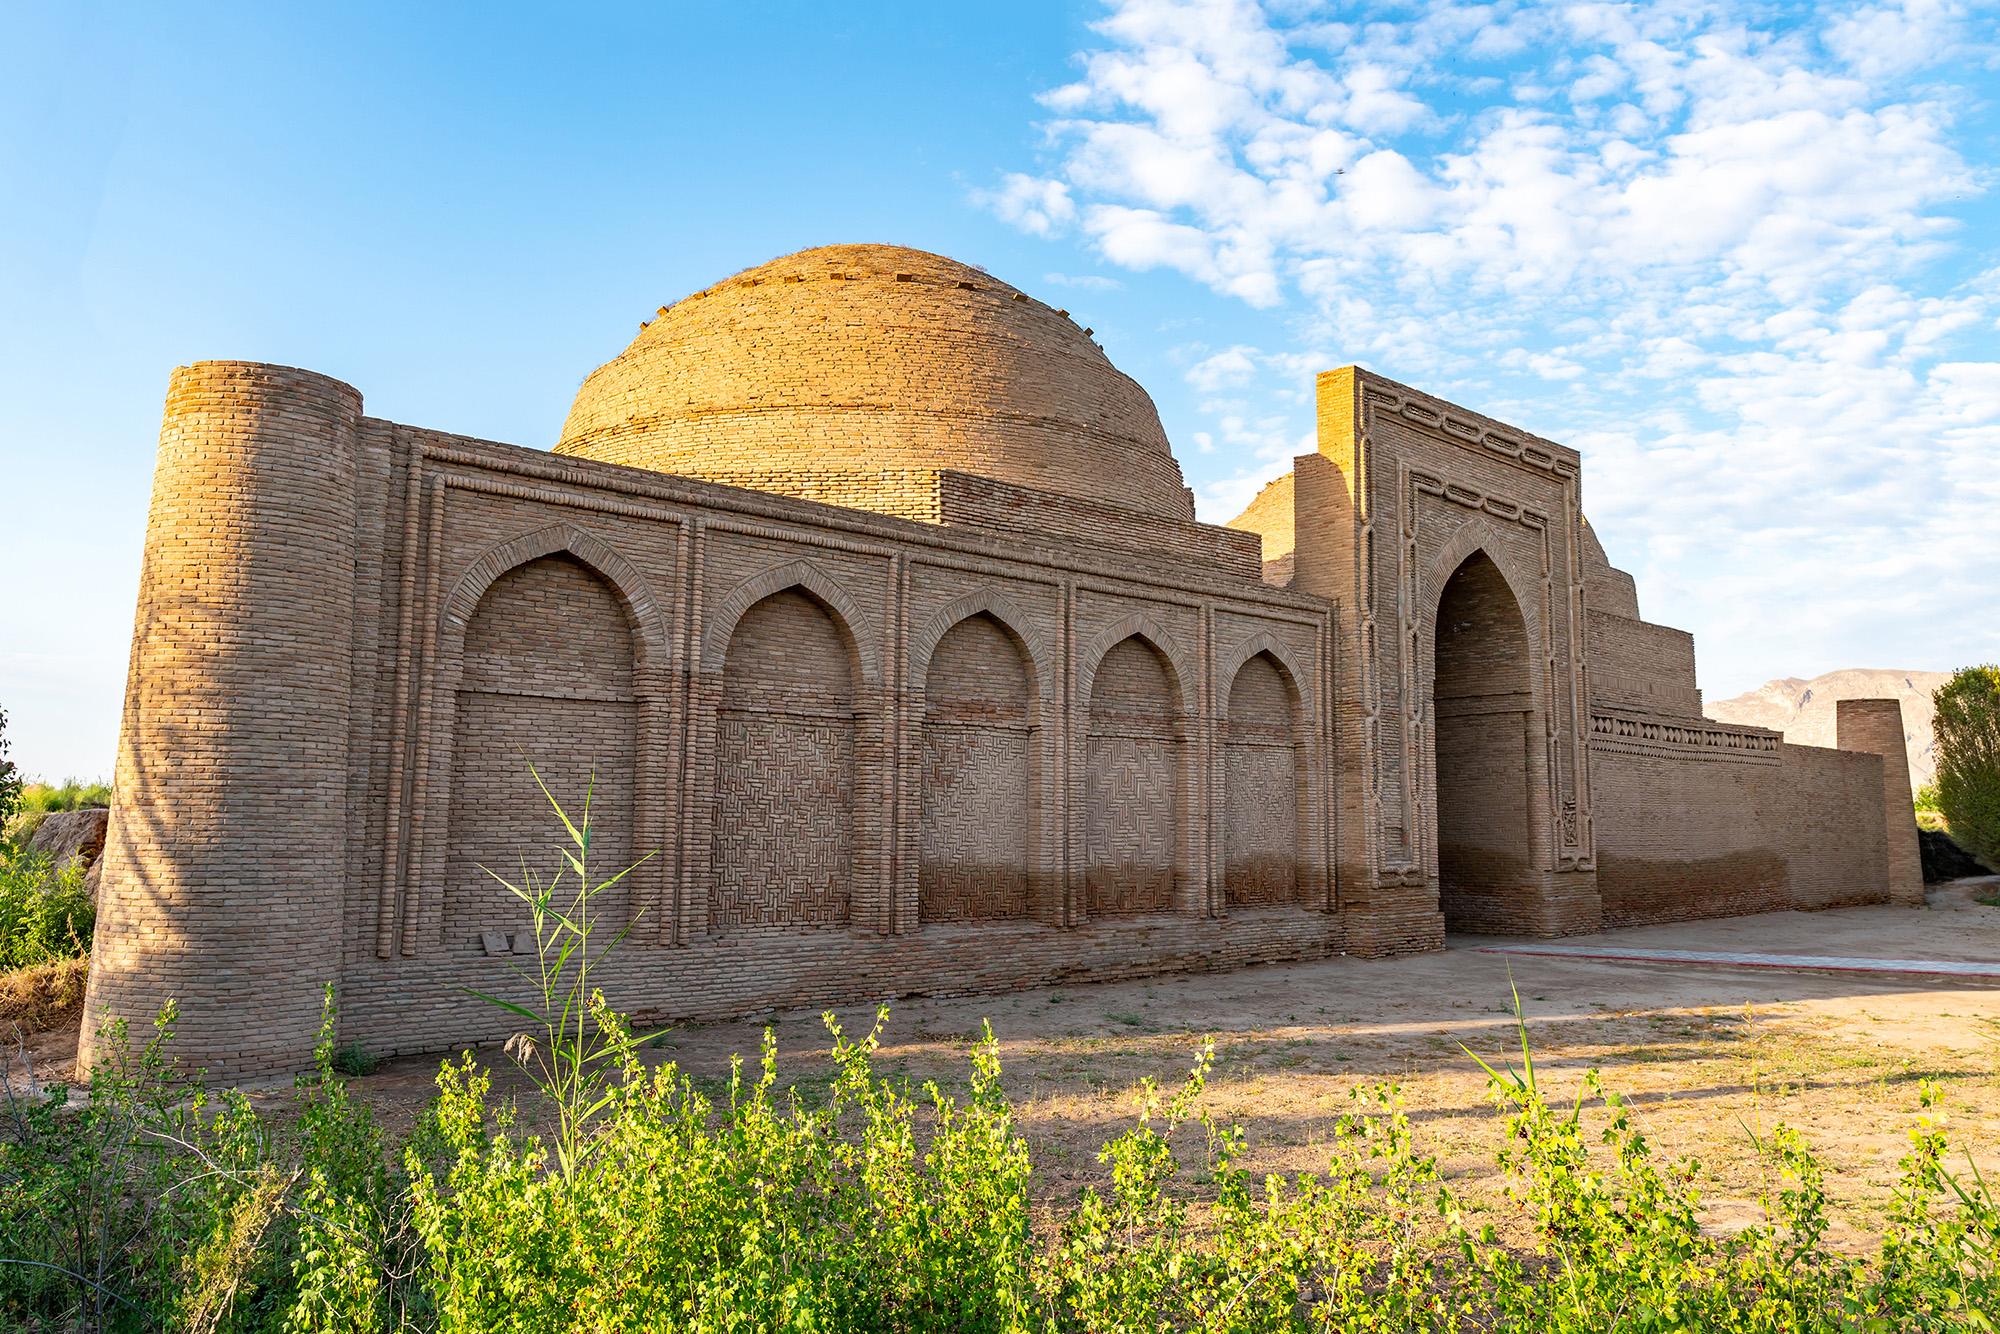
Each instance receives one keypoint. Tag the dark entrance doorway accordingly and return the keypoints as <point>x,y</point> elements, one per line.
<point>1488,744</point>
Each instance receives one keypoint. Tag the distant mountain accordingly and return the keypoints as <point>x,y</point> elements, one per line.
<point>1804,712</point>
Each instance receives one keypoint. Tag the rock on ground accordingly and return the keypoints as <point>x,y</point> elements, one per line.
<point>73,836</point>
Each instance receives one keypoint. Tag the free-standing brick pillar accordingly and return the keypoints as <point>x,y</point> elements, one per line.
<point>1875,726</point>
<point>223,868</point>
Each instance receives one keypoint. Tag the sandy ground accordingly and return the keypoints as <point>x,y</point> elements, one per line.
<point>1705,1053</point>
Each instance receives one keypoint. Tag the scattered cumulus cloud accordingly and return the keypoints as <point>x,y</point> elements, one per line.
<point>1089,282</point>
<point>1721,248</point>
<point>1230,367</point>
<point>1037,207</point>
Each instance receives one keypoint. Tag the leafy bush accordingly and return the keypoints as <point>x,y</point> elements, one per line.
<point>149,1205</point>
<point>10,777</point>
<point>1926,797</point>
<point>878,1208</point>
<point>1968,754</point>
<point>45,909</point>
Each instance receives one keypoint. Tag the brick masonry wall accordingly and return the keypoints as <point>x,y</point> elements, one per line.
<point>1817,811</point>
<point>870,753</point>
<point>784,817</point>
<point>1688,828</point>
<point>547,682</point>
<point>227,844</point>
<point>1605,587</point>
<point>1133,784</point>
<point>1019,514</point>
<point>804,712</point>
<point>979,785</point>
<point>1639,665</point>
<point>1264,766</point>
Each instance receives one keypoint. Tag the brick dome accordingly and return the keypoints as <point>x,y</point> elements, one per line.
<point>870,360</point>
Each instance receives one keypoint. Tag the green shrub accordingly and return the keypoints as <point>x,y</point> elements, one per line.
<point>354,1060</point>
<point>877,1208</point>
<point>10,777</point>
<point>45,909</point>
<point>1968,756</point>
<point>152,1205</point>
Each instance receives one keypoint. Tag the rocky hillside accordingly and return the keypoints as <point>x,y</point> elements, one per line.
<point>1804,712</point>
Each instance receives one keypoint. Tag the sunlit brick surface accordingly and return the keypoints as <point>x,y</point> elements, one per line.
<point>898,655</point>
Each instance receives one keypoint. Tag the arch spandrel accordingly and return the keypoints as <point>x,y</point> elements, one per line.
<point>816,584</point>
<point>995,603</point>
<point>651,644</point>
<point>1142,626</point>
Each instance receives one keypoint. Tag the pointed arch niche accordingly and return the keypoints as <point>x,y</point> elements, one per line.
<point>1133,766</point>
<point>1489,744</point>
<point>980,774</point>
<point>1264,787</point>
<point>783,841</point>
<point>546,678</point>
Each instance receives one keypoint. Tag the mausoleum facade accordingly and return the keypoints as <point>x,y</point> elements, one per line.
<point>872,596</point>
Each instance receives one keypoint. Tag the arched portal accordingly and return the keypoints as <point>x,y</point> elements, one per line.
<point>1264,787</point>
<point>1132,819</point>
<point>784,759</point>
<point>546,680</point>
<point>1488,748</point>
<point>978,775</point>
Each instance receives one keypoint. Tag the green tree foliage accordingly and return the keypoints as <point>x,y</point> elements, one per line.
<point>10,777</point>
<point>1968,759</point>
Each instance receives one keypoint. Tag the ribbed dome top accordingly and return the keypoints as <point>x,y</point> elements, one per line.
<point>860,359</point>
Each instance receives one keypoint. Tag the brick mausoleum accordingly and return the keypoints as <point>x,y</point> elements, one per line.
<point>872,593</point>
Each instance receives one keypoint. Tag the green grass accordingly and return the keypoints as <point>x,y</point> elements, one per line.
<point>68,795</point>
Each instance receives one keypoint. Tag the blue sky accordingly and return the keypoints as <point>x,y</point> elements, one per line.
<point>1743,256</point>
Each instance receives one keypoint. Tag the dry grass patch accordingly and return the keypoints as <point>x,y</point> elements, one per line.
<point>43,996</point>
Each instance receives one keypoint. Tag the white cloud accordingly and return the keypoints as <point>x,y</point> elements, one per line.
<point>1090,282</point>
<point>1716,246</point>
<point>1229,367</point>
<point>1878,40</point>
<point>1038,207</point>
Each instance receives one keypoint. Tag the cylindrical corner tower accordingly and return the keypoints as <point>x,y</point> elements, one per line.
<point>222,880</point>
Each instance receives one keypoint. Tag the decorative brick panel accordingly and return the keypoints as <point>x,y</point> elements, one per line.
<point>1264,783</point>
<point>785,771</point>
<point>1133,782</point>
<point>784,822</point>
<point>978,777</point>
